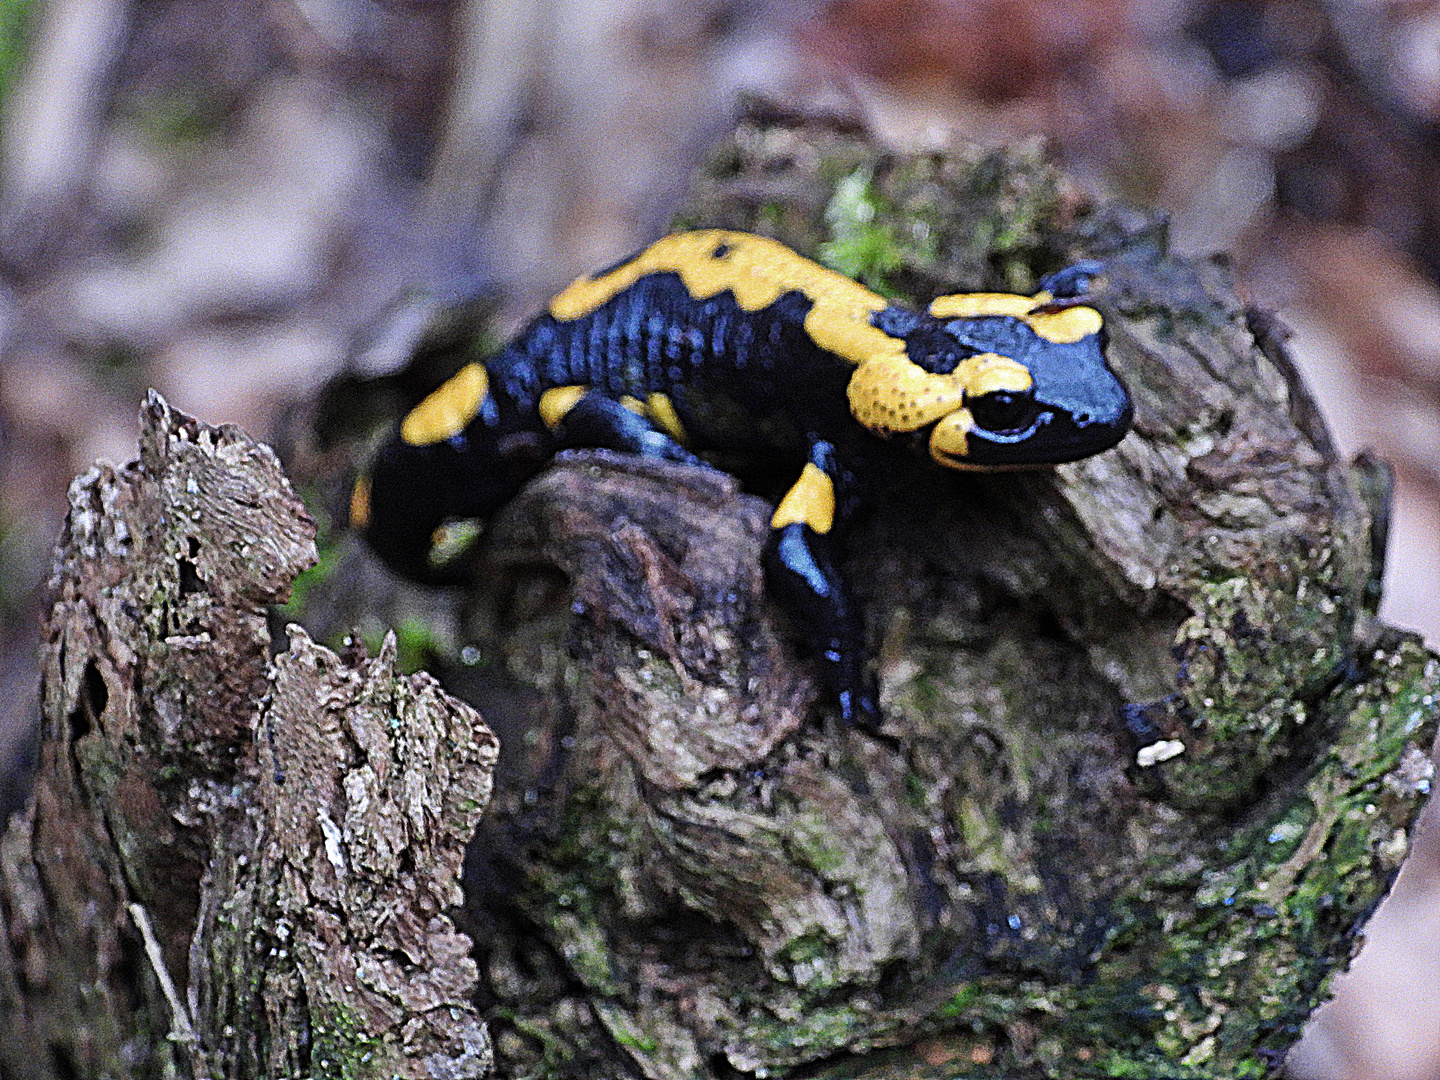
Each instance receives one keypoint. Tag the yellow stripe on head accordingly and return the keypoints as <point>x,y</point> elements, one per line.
<point>973,305</point>
<point>988,372</point>
<point>757,271</point>
<point>1068,325</point>
<point>810,501</point>
<point>447,411</point>
<point>1063,327</point>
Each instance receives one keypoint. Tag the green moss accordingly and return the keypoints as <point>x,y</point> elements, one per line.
<point>816,847</point>
<point>418,644</point>
<point>293,610</point>
<point>342,1047</point>
<point>565,892</point>
<point>15,16</point>
<point>863,244</point>
<point>960,1003</point>
<point>1256,649</point>
<point>807,949</point>
<point>584,945</point>
<point>1236,965</point>
<point>634,1041</point>
<point>820,1027</point>
<point>917,795</point>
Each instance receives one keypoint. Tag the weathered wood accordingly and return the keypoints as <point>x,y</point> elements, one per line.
<point>231,866</point>
<point>1148,760</point>
<point>1023,876</point>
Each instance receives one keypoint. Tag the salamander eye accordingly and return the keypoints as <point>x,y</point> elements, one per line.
<point>1002,410</point>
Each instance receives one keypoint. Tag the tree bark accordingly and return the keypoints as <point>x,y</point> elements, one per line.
<point>231,866</point>
<point>1148,760</point>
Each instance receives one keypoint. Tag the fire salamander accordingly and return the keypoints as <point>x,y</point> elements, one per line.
<point>725,342</point>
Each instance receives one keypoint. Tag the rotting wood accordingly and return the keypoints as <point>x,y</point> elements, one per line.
<point>690,868</point>
<point>232,866</point>
<point>1022,876</point>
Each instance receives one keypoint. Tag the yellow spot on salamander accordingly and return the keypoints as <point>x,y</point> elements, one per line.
<point>661,411</point>
<point>757,271</point>
<point>634,404</point>
<point>810,500</point>
<point>988,372</point>
<point>451,540</point>
<point>894,394</point>
<point>555,403</point>
<point>1066,326</point>
<point>1063,327</point>
<point>889,396</point>
<point>949,442</point>
<point>360,503</point>
<point>973,305</point>
<point>446,412</point>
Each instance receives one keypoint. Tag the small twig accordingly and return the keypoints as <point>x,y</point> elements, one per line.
<point>182,1029</point>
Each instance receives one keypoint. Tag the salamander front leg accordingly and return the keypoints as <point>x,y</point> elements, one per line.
<point>801,572</point>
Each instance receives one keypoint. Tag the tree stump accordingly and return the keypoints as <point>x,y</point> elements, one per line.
<point>231,865</point>
<point>1147,762</point>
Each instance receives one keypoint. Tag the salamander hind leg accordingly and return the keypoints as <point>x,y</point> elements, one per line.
<point>801,571</point>
<point>440,466</point>
<point>603,422</point>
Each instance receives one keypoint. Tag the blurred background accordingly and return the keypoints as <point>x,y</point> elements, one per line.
<point>219,198</point>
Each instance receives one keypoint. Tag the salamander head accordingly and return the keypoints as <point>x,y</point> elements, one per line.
<point>1003,381</point>
<point>1070,406</point>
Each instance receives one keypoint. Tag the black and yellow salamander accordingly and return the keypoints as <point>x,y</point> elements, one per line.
<point>732,343</point>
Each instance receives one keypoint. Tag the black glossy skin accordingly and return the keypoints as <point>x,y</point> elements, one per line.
<point>747,383</point>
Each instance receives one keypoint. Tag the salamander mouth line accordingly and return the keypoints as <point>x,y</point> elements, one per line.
<point>964,465</point>
<point>1016,435</point>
